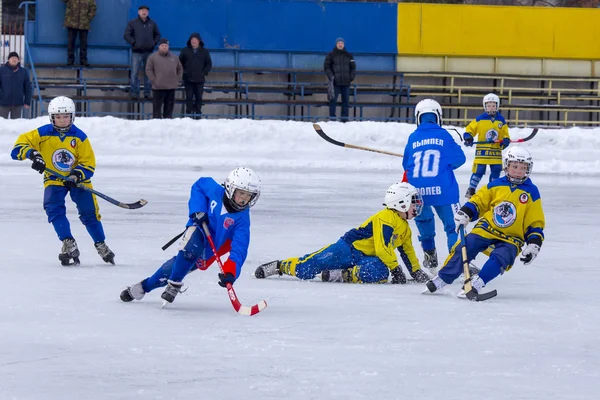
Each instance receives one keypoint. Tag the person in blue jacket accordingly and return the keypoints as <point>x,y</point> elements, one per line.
<point>226,210</point>
<point>430,157</point>
<point>15,88</point>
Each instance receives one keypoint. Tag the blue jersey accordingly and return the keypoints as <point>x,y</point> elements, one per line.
<point>430,158</point>
<point>229,229</point>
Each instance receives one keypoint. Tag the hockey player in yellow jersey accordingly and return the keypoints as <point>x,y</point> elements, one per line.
<point>509,218</point>
<point>65,149</point>
<point>365,254</point>
<point>491,129</point>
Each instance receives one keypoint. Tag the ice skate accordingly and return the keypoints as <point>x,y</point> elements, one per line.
<point>104,252</point>
<point>435,284</point>
<point>430,259</point>
<point>336,275</point>
<point>135,292</point>
<point>268,269</point>
<point>69,254</point>
<point>171,291</point>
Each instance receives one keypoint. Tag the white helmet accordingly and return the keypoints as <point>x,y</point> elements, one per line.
<point>491,98</point>
<point>61,105</point>
<point>517,154</point>
<point>243,179</point>
<point>428,106</point>
<point>401,195</point>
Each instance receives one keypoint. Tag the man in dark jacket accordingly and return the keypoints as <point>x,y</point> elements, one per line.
<point>196,63</point>
<point>15,88</point>
<point>341,68</point>
<point>165,71</point>
<point>78,16</point>
<point>142,34</point>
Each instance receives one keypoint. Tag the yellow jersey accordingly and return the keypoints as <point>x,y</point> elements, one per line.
<point>488,129</point>
<point>511,213</point>
<point>380,235</point>
<point>62,152</point>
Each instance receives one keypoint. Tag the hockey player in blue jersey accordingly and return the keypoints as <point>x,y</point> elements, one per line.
<point>226,210</point>
<point>430,157</point>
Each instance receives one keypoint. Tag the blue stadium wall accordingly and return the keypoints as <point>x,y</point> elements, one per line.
<point>239,33</point>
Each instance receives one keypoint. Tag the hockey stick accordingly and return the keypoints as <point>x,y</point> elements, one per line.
<point>170,242</point>
<point>525,139</point>
<point>459,135</point>
<point>351,146</point>
<point>131,206</point>
<point>244,310</point>
<point>468,288</point>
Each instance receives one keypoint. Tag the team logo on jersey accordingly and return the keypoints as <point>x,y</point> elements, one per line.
<point>491,135</point>
<point>228,222</point>
<point>523,198</point>
<point>505,214</point>
<point>63,160</point>
<point>73,143</point>
<point>500,124</point>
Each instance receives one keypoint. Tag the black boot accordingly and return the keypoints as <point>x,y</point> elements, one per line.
<point>171,291</point>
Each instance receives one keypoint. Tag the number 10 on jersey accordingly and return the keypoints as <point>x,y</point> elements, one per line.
<point>427,163</point>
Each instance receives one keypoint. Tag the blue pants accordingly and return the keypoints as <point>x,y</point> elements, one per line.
<point>340,255</point>
<point>426,225</point>
<point>54,205</point>
<point>345,92</point>
<point>182,264</point>
<point>495,170</point>
<point>138,62</point>
<point>501,259</point>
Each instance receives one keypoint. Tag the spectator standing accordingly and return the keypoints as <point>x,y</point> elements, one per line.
<point>341,69</point>
<point>142,34</point>
<point>196,63</point>
<point>164,71</point>
<point>15,88</point>
<point>78,16</point>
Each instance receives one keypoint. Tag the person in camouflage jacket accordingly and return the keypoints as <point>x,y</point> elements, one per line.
<point>78,16</point>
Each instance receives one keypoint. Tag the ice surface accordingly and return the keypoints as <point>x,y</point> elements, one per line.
<point>64,333</point>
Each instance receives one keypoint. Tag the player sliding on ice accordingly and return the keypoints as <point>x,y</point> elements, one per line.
<point>226,210</point>
<point>510,216</point>
<point>62,147</point>
<point>365,254</point>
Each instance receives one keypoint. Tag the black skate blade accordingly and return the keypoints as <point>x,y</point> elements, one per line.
<point>474,296</point>
<point>69,262</point>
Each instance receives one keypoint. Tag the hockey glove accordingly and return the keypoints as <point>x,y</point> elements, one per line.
<point>461,218</point>
<point>229,273</point>
<point>73,179</point>
<point>504,144</point>
<point>529,253</point>
<point>38,161</point>
<point>398,276</point>
<point>468,140</point>
<point>199,218</point>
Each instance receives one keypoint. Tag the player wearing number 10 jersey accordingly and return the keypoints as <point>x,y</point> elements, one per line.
<point>430,158</point>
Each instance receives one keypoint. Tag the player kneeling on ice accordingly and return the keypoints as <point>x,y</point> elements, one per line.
<point>225,209</point>
<point>510,216</point>
<point>65,149</point>
<point>365,254</point>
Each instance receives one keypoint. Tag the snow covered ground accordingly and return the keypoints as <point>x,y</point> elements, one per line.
<point>64,333</point>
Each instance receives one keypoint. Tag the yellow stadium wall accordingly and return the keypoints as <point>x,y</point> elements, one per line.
<point>490,31</point>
